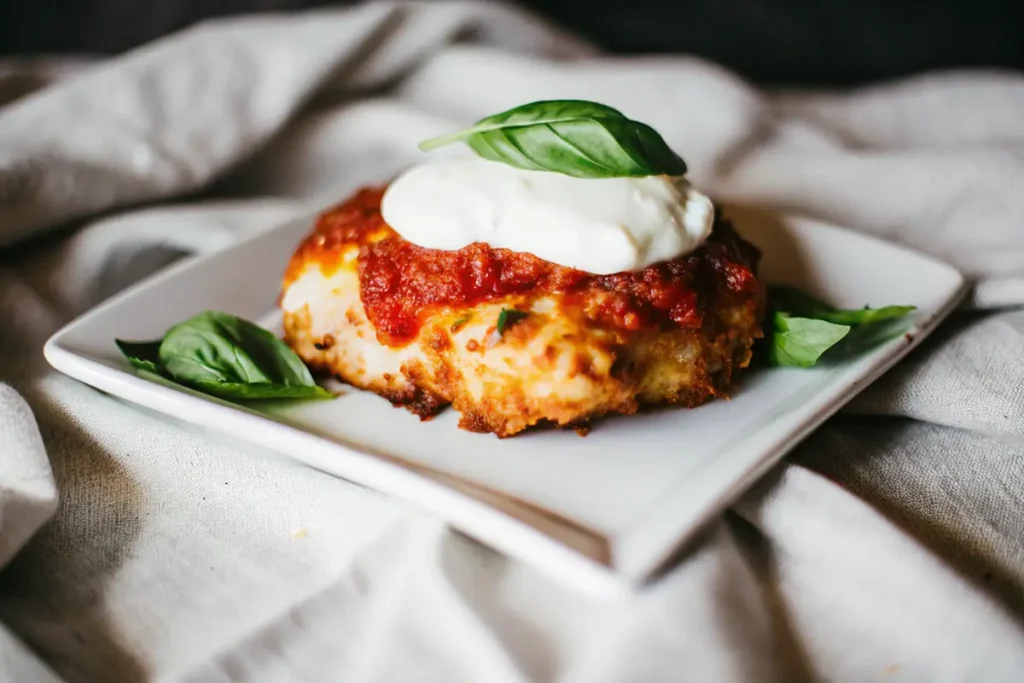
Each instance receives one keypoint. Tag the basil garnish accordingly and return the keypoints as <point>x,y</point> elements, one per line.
<point>142,355</point>
<point>228,357</point>
<point>573,137</point>
<point>804,328</point>
<point>462,320</point>
<point>800,342</point>
<point>798,303</point>
<point>240,391</point>
<point>509,317</point>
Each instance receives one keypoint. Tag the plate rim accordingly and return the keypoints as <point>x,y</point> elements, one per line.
<point>846,383</point>
<point>378,474</point>
<point>827,403</point>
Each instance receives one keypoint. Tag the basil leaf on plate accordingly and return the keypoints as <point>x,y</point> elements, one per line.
<point>220,347</point>
<point>228,357</point>
<point>800,342</point>
<point>804,328</point>
<point>142,355</point>
<point>572,137</point>
<point>798,303</point>
<point>869,335</point>
<point>259,390</point>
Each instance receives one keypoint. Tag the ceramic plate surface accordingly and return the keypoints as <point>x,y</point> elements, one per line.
<point>604,512</point>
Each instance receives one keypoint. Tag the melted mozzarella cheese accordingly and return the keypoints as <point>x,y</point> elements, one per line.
<point>597,225</point>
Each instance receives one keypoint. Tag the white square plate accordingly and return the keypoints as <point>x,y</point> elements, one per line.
<point>604,512</point>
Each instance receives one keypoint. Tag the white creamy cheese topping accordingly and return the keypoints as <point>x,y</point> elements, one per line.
<point>601,226</point>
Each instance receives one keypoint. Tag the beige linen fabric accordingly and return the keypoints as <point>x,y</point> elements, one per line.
<point>889,546</point>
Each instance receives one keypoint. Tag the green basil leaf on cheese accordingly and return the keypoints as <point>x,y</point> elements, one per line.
<point>509,317</point>
<point>573,137</point>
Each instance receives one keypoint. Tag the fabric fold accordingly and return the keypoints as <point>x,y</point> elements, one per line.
<point>174,554</point>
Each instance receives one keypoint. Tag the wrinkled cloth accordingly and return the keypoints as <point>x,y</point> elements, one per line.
<point>888,546</point>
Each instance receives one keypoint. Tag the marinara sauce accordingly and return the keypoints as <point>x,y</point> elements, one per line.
<point>401,284</point>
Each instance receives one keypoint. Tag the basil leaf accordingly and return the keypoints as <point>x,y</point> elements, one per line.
<point>573,137</point>
<point>869,335</point>
<point>142,355</point>
<point>457,325</point>
<point>228,357</point>
<point>259,390</point>
<point>219,347</point>
<point>798,303</point>
<point>799,342</point>
<point>509,317</point>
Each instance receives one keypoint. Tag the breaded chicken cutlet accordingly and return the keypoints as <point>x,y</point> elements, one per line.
<point>510,340</point>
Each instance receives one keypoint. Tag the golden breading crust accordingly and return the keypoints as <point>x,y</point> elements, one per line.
<point>419,326</point>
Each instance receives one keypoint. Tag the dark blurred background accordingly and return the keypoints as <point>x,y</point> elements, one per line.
<point>772,42</point>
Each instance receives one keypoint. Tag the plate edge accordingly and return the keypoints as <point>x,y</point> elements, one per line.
<point>644,573</point>
<point>557,559</point>
<point>612,582</point>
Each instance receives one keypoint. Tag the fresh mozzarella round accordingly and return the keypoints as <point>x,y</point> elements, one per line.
<point>596,225</point>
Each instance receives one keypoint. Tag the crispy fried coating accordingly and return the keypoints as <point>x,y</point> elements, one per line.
<point>421,327</point>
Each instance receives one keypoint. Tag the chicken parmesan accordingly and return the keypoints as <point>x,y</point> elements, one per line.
<point>511,340</point>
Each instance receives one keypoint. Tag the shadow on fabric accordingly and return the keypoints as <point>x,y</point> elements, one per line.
<point>51,594</point>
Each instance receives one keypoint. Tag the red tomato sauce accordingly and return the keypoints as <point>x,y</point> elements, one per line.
<point>402,284</point>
